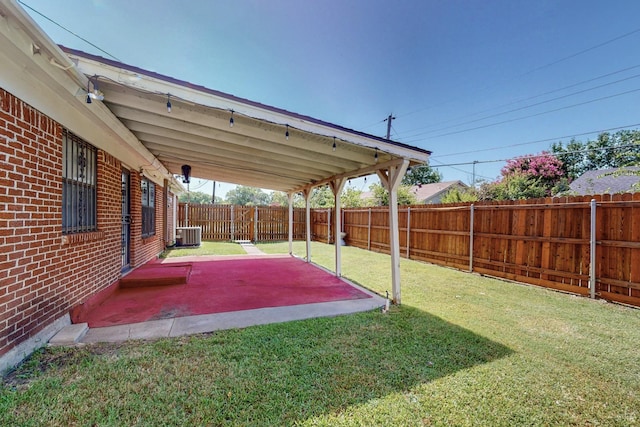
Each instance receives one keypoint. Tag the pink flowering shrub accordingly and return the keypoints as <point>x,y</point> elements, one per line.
<point>543,166</point>
<point>527,177</point>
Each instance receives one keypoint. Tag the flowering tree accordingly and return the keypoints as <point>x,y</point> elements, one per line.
<point>527,177</point>
<point>544,167</point>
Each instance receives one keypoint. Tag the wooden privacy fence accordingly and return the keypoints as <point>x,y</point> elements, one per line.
<point>230,222</point>
<point>564,244</point>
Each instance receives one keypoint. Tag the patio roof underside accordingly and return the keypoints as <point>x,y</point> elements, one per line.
<point>255,151</point>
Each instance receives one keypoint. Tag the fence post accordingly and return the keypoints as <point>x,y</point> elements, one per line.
<point>233,224</point>
<point>328,226</point>
<point>255,223</point>
<point>369,232</point>
<point>592,251</point>
<point>408,228</point>
<point>472,210</point>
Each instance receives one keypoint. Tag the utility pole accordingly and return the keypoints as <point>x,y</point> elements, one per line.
<point>473,182</point>
<point>388,120</point>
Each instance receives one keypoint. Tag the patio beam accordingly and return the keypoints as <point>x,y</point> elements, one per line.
<point>246,126</point>
<point>355,173</point>
<point>140,121</point>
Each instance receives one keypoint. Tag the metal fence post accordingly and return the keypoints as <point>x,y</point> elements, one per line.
<point>255,223</point>
<point>329,225</point>
<point>592,251</point>
<point>472,210</point>
<point>233,224</point>
<point>408,228</point>
<point>369,232</point>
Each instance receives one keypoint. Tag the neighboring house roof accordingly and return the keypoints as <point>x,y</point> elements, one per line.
<point>432,193</point>
<point>606,181</point>
<point>427,193</point>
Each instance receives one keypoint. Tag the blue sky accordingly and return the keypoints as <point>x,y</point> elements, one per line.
<point>470,80</point>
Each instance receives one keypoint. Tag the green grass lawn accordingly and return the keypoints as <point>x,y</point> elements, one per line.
<point>462,350</point>
<point>205,248</point>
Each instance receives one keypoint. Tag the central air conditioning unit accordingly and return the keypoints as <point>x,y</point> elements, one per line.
<point>188,236</point>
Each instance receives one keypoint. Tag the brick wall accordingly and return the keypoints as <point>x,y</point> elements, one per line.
<point>43,273</point>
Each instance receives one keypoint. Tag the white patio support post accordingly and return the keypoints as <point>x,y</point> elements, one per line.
<point>337,186</point>
<point>290,198</point>
<point>391,181</point>
<point>307,205</point>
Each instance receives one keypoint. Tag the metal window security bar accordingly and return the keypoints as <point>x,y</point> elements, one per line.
<point>79,207</point>
<point>148,207</point>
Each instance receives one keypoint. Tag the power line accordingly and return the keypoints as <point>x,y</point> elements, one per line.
<point>550,64</point>
<point>531,115</point>
<point>540,140</point>
<point>68,30</point>
<point>535,156</point>
<point>535,104</point>
<point>458,169</point>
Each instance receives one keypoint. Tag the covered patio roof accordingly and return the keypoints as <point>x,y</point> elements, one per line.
<point>220,136</point>
<point>226,138</point>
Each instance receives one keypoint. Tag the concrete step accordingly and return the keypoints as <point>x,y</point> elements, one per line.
<point>69,335</point>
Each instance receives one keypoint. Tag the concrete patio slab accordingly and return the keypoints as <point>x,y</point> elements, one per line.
<point>203,323</point>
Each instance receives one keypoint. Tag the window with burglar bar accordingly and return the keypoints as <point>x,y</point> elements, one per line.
<point>148,208</point>
<point>79,166</point>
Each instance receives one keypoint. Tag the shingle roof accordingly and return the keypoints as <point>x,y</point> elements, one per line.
<point>427,191</point>
<point>606,181</point>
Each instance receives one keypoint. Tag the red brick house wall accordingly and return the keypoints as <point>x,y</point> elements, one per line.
<point>43,273</point>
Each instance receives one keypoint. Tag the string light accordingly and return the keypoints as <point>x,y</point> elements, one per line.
<point>334,143</point>
<point>231,120</point>
<point>375,156</point>
<point>286,134</point>
<point>168,103</point>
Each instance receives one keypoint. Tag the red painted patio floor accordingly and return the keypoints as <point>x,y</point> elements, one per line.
<point>217,284</point>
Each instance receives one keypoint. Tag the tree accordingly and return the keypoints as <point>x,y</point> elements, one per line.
<point>322,197</point>
<point>247,196</point>
<point>544,168</point>
<point>381,195</point>
<point>456,195</point>
<point>422,174</point>
<point>607,151</point>
<point>351,198</point>
<point>197,198</point>
<point>515,186</point>
<point>526,177</point>
<point>280,198</point>
<point>572,158</point>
